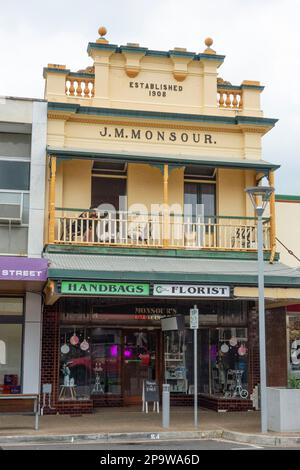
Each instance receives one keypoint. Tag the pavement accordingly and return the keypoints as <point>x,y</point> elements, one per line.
<point>108,425</point>
<point>158,448</point>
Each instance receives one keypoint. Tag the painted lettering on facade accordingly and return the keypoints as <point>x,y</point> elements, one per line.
<point>156,89</point>
<point>160,136</point>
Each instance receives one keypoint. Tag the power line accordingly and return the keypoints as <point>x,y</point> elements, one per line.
<point>290,252</point>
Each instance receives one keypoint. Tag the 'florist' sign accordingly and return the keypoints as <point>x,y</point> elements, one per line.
<point>105,288</point>
<point>184,290</point>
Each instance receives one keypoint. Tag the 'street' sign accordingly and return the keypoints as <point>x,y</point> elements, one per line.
<point>184,290</point>
<point>105,288</point>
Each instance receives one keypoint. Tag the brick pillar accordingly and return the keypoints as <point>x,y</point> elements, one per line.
<point>253,339</point>
<point>50,349</point>
<point>277,373</point>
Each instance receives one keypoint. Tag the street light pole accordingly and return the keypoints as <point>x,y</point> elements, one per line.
<point>262,323</point>
<point>260,196</point>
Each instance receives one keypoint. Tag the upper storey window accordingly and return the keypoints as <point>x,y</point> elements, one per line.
<point>200,191</point>
<point>15,145</point>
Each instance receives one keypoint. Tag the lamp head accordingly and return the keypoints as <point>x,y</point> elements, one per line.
<point>260,196</point>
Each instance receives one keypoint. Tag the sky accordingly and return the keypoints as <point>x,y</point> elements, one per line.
<point>260,39</point>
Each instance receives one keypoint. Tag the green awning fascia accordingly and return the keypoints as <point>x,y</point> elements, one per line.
<point>237,280</point>
<point>156,252</point>
<point>180,161</point>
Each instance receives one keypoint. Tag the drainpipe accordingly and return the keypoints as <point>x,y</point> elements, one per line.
<point>272,218</point>
<point>166,219</point>
<point>51,228</point>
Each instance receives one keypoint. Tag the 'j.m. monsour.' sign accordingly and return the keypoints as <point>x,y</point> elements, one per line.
<point>105,288</point>
<point>156,135</point>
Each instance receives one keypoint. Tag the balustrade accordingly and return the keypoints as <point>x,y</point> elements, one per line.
<point>230,98</point>
<point>130,229</point>
<point>80,87</point>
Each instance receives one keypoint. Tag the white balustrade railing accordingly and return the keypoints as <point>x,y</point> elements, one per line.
<point>175,231</point>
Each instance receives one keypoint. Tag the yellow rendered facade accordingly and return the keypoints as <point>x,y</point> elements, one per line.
<point>288,229</point>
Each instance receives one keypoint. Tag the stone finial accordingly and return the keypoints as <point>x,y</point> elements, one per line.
<point>102,32</point>
<point>209,42</point>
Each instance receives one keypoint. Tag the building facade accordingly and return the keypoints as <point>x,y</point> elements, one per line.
<point>148,156</point>
<point>288,235</point>
<point>23,271</point>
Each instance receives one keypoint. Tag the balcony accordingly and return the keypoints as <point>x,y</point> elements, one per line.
<point>128,229</point>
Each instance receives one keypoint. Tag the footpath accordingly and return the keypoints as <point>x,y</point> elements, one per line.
<point>131,425</point>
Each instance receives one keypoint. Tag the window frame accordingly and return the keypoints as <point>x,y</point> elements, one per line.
<point>16,320</point>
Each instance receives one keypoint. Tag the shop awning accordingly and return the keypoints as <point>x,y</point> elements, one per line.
<point>168,269</point>
<point>178,160</point>
<point>20,274</point>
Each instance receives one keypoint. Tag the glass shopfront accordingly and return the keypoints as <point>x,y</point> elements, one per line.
<point>222,359</point>
<point>294,346</point>
<point>222,353</point>
<point>107,353</point>
<point>11,335</point>
<point>89,362</point>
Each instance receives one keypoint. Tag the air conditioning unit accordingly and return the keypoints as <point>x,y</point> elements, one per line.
<point>10,213</point>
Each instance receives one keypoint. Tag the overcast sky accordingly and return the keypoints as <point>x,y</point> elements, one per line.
<point>260,39</point>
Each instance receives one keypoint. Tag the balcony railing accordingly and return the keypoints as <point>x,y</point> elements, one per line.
<point>129,229</point>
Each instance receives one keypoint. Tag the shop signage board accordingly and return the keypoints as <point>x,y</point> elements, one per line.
<point>188,290</point>
<point>23,269</point>
<point>194,318</point>
<point>105,288</point>
<point>151,391</point>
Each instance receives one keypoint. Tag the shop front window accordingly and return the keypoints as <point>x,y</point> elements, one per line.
<point>139,361</point>
<point>11,331</point>
<point>222,362</point>
<point>75,364</point>
<point>178,361</point>
<point>294,346</point>
<point>106,362</point>
<point>229,362</point>
<point>89,363</point>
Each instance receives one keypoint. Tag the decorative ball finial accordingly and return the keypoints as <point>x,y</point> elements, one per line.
<point>209,42</point>
<point>102,31</point>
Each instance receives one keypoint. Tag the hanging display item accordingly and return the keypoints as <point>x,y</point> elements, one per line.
<point>233,341</point>
<point>224,348</point>
<point>65,349</point>
<point>242,351</point>
<point>74,339</point>
<point>84,346</point>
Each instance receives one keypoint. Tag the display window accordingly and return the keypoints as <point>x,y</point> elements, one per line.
<point>229,362</point>
<point>89,362</point>
<point>222,362</point>
<point>11,336</point>
<point>294,346</point>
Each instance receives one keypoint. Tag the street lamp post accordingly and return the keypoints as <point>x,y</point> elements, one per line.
<point>260,196</point>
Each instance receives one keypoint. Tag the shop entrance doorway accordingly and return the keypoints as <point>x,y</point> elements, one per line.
<point>139,362</point>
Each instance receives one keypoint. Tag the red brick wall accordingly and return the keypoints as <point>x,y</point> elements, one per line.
<point>253,347</point>
<point>276,347</point>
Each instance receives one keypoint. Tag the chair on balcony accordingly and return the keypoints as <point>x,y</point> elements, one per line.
<point>244,237</point>
<point>107,229</point>
<point>137,232</point>
<point>79,229</point>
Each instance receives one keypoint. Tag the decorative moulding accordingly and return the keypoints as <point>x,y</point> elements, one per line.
<point>133,60</point>
<point>180,64</point>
